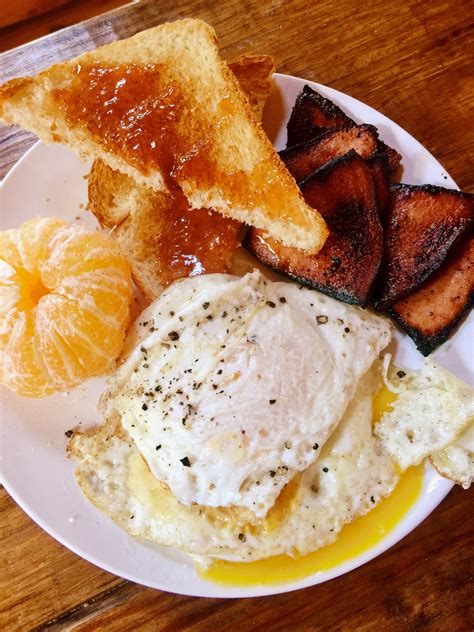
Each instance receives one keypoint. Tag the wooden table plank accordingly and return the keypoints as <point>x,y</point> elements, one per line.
<point>39,576</point>
<point>410,60</point>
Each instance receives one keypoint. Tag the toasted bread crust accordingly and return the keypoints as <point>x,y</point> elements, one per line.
<point>209,143</point>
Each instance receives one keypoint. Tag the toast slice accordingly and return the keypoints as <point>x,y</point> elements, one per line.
<point>163,107</point>
<point>423,223</point>
<point>347,265</point>
<point>313,115</point>
<point>162,238</point>
<point>430,314</point>
<point>254,72</point>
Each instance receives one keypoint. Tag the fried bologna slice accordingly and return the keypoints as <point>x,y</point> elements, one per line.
<point>380,169</point>
<point>347,265</point>
<point>430,314</point>
<point>423,223</point>
<point>301,160</point>
<point>313,115</point>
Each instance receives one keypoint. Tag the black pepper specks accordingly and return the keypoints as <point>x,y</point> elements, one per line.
<point>205,305</point>
<point>321,320</point>
<point>272,401</point>
<point>325,469</point>
<point>401,374</point>
<point>372,500</point>
<point>242,537</point>
<point>282,299</point>
<point>173,335</point>
<point>158,447</point>
<point>69,433</point>
<point>185,462</point>
<point>271,304</point>
<point>315,446</point>
<point>144,407</point>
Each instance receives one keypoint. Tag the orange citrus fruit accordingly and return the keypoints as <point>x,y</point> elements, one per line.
<point>65,297</point>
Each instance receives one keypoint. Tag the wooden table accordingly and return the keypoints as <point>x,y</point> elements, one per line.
<point>411,60</point>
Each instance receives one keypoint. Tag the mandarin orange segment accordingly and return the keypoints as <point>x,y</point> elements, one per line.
<point>23,369</point>
<point>76,253</point>
<point>34,238</point>
<point>65,305</point>
<point>90,338</point>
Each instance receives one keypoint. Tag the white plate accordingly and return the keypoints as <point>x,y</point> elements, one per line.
<point>48,180</point>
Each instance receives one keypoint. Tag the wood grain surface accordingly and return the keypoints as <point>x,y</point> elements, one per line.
<point>411,60</point>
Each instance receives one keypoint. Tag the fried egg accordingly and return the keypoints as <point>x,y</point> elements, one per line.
<point>456,461</point>
<point>234,385</point>
<point>431,410</point>
<point>351,475</point>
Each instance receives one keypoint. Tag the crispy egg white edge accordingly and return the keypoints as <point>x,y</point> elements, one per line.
<point>358,468</point>
<point>432,409</point>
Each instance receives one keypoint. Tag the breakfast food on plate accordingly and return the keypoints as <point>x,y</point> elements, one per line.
<point>65,295</point>
<point>254,72</point>
<point>200,384</point>
<point>431,410</point>
<point>240,422</point>
<point>163,107</point>
<point>347,265</point>
<point>425,279</point>
<point>161,236</point>
<point>423,223</point>
<point>457,460</point>
<point>301,160</point>
<point>230,390</point>
<point>430,313</point>
<point>349,478</point>
<point>313,115</point>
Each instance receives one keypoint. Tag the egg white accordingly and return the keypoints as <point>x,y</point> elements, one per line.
<point>352,474</point>
<point>235,384</point>
<point>431,411</point>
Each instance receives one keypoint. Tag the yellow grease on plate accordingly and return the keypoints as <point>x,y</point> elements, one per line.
<point>354,539</point>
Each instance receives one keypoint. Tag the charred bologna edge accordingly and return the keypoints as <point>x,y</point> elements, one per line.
<point>347,265</point>
<point>415,250</point>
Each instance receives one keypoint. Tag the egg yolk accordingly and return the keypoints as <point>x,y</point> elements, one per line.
<point>355,538</point>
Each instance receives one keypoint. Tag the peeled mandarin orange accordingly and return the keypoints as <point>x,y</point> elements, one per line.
<point>65,297</point>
